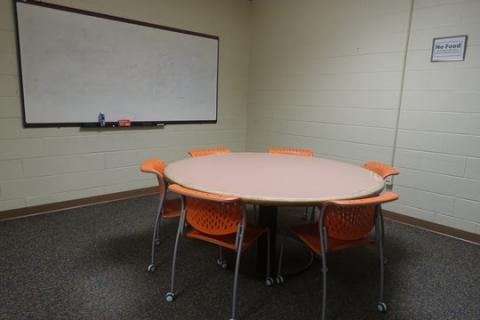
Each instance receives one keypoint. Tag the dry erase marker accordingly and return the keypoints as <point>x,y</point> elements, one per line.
<point>101,119</point>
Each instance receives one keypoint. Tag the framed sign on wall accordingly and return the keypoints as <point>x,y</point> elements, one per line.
<point>449,48</point>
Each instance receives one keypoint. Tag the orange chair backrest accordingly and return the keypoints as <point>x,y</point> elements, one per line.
<point>381,169</point>
<point>293,151</point>
<point>157,167</point>
<point>211,213</point>
<point>207,151</point>
<point>214,218</point>
<point>353,219</point>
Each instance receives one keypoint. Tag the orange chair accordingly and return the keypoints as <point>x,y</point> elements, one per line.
<point>208,151</point>
<point>292,151</point>
<point>343,224</point>
<point>383,170</point>
<point>167,208</point>
<point>295,152</point>
<point>222,262</point>
<point>220,220</point>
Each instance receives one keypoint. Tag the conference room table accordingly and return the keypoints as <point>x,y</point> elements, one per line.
<point>271,181</point>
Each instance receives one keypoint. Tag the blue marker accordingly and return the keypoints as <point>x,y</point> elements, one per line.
<point>101,119</point>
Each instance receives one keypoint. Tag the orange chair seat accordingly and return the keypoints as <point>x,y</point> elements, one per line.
<point>172,208</point>
<point>251,234</point>
<point>310,234</point>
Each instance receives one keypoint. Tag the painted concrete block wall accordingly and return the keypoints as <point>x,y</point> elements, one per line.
<point>438,146</point>
<point>47,165</point>
<point>326,75</point>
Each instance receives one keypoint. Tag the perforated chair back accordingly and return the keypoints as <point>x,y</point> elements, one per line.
<point>349,223</point>
<point>353,219</point>
<point>212,217</point>
<point>382,169</point>
<point>292,151</point>
<point>208,151</point>
<point>210,213</point>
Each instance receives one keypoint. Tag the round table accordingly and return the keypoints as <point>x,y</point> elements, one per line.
<point>272,180</point>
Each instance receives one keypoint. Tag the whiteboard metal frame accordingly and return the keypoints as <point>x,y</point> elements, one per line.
<point>114,18</point>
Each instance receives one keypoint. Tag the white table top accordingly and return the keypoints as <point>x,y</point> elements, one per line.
<point>274,178</point>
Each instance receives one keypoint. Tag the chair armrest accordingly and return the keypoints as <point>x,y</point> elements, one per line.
<point>383,198</point>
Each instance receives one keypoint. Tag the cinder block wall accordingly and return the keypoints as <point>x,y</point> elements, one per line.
<point>438,146</point>
<point>327,75</point>
<point>46,165</point>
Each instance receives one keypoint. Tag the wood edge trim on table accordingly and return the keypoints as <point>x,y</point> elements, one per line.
<point>433,227</point>
<point>76,203</point>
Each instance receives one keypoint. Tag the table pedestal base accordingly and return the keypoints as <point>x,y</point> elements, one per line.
<point>296,259</point>
<point>296,256</point>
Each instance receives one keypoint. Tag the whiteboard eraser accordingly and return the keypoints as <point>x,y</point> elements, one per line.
<point>124,123</point>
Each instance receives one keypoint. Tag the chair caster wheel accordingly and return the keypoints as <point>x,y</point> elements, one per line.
<point>280,279</point>
<point>222,263</point>
<point>269,282</point>
<point>157,242</point>
<point>151,268</point>
<point>381,307</point>
<point>170,296</point>
<point>385,260</point>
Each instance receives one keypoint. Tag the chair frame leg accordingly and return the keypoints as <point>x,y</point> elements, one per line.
<point>181,225</point>
<point>279,276</point>
<point>156,232</point>
<point>324,270</point>
<point>312,214</point>
<point>268,278</point>
<point>305,214</point>
<point>221,261</point>
<point>324,248</point>
<point>379,232</point>
<point>238,249</point>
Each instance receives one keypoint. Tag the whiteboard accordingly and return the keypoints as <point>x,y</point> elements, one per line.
<point>76,64</point>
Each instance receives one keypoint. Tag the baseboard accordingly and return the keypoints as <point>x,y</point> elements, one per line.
<point>433,227</point>
<point>71,204</point>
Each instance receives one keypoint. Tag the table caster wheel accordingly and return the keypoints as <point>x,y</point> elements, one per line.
<point>157,242</point>
<point>381,307</point>
<point>280,279</point>
<point>151,268</point>
<point>222,263</point>
<point>269,281</point>
<point>170,296</point>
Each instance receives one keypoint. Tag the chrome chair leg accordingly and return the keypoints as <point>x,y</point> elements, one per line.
<point>238,248</point>
<point>279,278</point>
<point>381,305</point>
<point>151,267</point>
<point>324,245</point>
<point>221,261</point>
<point>170,296</point>
<point>268,279</point>
<point>312,216</point>
<point>305,214</point>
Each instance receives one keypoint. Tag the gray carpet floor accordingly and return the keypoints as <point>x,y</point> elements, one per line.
<point>90,263</point>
